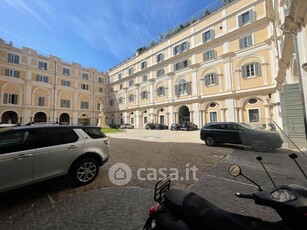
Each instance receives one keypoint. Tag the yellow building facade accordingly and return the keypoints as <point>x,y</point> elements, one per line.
<point>219,68</point>
<point>37,88</point>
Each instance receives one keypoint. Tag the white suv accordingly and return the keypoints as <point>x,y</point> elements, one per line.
<point>34,153</point>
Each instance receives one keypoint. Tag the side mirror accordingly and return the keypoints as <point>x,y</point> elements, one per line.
<point>235,170</point>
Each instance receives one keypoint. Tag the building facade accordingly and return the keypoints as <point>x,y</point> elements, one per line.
<point>219,68</point>
<point>37,88</point>
<point>237,62</point>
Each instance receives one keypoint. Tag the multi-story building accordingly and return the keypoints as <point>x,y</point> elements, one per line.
<point>218,68</point>
<point>234,62</point>
<point>37,88</point>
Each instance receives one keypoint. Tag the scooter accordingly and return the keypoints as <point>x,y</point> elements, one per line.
<point>177,209</point>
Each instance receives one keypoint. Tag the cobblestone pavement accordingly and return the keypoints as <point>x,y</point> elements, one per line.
<point>101,205</point>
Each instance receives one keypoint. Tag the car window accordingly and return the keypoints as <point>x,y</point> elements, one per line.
<point>94,133</point>
<point>18,140</point>
<point>58,136</point>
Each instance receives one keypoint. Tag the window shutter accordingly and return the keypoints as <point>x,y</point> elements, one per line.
<point>211,34</point>
<point>240,20</point>
<point>15,99</point>
<point>188,84</point>
<point>215,78</point>
<point>7,72</point>
<point>250,40</point>
<point>163,91</point>
<point>214,54</point>
<point>177,90</point>
<point>203,36</point>
<point>174,50</point>
<point>5,98</point>
<point>187,45</point>
<point>251,15</point>
<point>241,41</point>
<point>244,72</point>
<point>206,80</point>
<point>257,68</point>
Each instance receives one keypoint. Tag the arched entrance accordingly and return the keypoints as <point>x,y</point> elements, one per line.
<point>184,114</point>
<point>64,118</point>
<point>9,117</point>
<point>40,117</point>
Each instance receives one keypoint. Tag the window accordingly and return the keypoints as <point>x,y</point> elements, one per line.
<point>181,65</point>
<point>211,79</point>
<point>84,76</point>
<point>12,73</point>
<point>144,95</point>
<point>10,99</point>
<point>84,105</point>
<point>58,136</point>
<point>161,91</point>
<point>100,90</point>
<point>143,65</point>
<point>84,86</point>
<point>160,57</point>
<point>253,115</point>
<point>183,87</point>
<point>252,101</point>
<point>212,105</point>
<point>144,78</point>
<point>66,71</point>
<point>121,86</point>
<point>65,103</point>
<point>213,117</point>
<point>42,78</point>
<point>100,80</point>
<point>130,71</point>
<point>209,55</point>
<point>13,58</point>
<point>245,18</point>
<point>41,101</point>
<point>246,42</point>
<point>120,100</point>
<point>180,48</point>
<point>119,76</point>
<point>65,83</point>
<point>111,90</point>
<point>131,98</point>
<point>160,73</point>
<point>42,65</point>
<point>208,35</point>
<point>250,70</point>
<point>131,82</point>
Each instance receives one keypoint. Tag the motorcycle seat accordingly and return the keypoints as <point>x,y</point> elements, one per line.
<point>173,202</point>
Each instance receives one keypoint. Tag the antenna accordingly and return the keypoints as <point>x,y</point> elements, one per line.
<point>259,158</point>
<point>293,156</point>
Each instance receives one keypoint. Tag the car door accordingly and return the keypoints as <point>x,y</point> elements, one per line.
<point>17,148</point>
<point>60,146</point>
<point>235,133</point>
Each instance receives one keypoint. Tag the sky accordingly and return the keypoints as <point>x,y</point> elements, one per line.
<point>94,33</point>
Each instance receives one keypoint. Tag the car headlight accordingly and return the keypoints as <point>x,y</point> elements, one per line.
<point>282,195</point>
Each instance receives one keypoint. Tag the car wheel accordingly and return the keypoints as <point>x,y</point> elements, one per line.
<point>84,171</point>
<point>209,141</point>
<point>259,145</point>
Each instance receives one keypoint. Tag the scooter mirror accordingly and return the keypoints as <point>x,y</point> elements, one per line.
<point>235,170</point>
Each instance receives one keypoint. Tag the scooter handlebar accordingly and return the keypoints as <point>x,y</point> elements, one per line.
<point>247,196</point>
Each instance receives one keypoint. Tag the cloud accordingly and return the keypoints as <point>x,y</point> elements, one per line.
<point>22,8</point>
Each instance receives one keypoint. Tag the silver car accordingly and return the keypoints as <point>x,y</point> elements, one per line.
<point>34,153</point>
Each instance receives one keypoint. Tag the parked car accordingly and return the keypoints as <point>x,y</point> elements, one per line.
<point>161,126</point>
<point>7,125</point>
<point>175,126</point>
<point>126,126</point>
<point>33,153</point>
<point>188,126</point>
<point>151,125</point>
<point>236,133</point>
<point>114,126</point>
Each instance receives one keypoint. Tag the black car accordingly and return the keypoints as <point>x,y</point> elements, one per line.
<point>188,126</point>
<point>161,126</point>
<point>237,133</point>
<point>175,126</point>
<point>151,125</point>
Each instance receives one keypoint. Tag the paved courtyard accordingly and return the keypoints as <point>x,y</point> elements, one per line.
<point>57,204</point>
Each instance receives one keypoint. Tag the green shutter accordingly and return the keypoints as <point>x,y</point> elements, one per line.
<point>257,68</point>
<point>240,20</point>
<point>206,80</point>
<point>188,85</point>
<point>215,78</point>
<point>244,72</point>
<point>177,90</point>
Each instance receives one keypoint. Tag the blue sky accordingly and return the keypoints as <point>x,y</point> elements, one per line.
<point>94,33</point>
